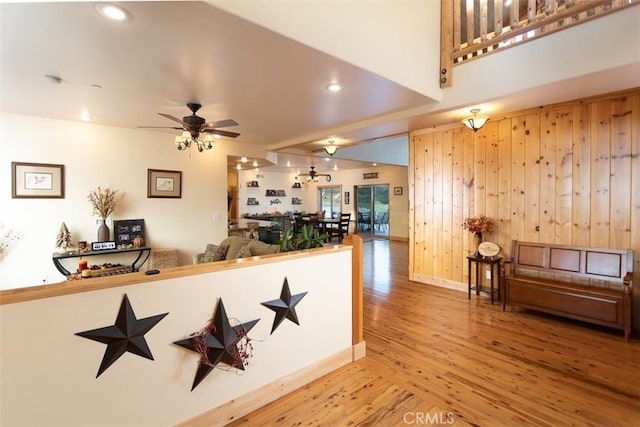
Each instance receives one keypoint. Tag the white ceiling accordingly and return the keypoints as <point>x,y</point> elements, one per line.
<point>171,53</point>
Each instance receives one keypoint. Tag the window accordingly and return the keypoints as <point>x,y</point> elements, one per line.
<point>330,201</point>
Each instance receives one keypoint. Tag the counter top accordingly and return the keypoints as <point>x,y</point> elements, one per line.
<point>10,296</point>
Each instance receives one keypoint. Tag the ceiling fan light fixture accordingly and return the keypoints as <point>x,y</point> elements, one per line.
<point>185,140</point>
<point>331,148</point>
<point>197,131</point>
<point>475,122</point>
<point>312,175</point>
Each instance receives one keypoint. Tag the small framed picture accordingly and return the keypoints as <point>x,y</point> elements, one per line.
<point>37,181</point>
<point>397,191</point>
<point>164,184</point>
<point>346,198</point>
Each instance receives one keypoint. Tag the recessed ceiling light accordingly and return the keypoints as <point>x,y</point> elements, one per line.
<point>238,167</point>
<point>85,117</point>
<point>334,87</point>
<point>255,163</point>
<point>243,160</point>
<point>113,12</point>
<point>375,164</point>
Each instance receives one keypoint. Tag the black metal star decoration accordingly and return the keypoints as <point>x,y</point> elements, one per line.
<point>285,306</point>
<point>127,335</point>
<point>218,342</point>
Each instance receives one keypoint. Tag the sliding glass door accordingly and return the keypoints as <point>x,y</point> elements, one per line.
<point>372,206</point>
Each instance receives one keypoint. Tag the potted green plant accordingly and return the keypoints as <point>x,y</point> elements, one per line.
<point>307,238</point>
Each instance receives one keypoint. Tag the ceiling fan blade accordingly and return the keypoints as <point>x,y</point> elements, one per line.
<point>219,124</point>
<point>222,133</point>
<point>175,119</point>
<point>159,127</point>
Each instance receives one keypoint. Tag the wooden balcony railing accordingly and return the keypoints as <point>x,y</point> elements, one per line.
<point>473,28</point>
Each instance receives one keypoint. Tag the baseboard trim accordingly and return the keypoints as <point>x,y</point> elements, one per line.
<point>443,283</point>
<point>247,403</point>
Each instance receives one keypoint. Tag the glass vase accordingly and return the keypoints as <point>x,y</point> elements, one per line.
<point>477,239</point>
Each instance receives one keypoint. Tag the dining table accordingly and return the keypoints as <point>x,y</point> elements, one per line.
<point>321,224</point>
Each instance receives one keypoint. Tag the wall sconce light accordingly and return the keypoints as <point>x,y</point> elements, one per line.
<point>475,122</point>
<point>331,148</point>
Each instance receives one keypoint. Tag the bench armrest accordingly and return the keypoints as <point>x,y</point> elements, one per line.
<point>503,266</point>
<point>628,279</point>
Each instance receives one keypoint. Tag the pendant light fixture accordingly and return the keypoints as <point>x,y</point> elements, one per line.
<point>475,122</point>
<point>331,148</point>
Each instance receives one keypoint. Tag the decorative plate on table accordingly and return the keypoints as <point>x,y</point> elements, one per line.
<point>488,249</point>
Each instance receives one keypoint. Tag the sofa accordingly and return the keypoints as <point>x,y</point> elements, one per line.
<point>234,247</point>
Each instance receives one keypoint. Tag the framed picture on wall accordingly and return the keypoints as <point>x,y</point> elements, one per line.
<point>164,184</point>
<point>346,198</point>
<point>37,181</point>
<point>397,191</point>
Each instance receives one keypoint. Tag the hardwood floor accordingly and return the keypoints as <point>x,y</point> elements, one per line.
<point>435,357</point>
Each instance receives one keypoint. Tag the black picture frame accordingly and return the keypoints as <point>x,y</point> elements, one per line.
<point>126,230</point>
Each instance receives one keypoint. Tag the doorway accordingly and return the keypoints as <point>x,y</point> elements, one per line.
<point>372,207</point>
<point>330,200</point>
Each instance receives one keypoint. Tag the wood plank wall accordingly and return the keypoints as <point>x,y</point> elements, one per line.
<point>566,174</point>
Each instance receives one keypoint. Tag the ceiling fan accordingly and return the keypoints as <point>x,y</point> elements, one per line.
<point>313,175</point>
<point>195,124</point>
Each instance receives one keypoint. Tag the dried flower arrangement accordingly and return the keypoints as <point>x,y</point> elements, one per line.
<point>104,201</point>
<point>243,348</point>
<point>479,224</point>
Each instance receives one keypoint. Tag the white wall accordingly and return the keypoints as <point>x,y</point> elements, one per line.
<point>48,374</point>
<point>106,156</point>
<point>268,180</point>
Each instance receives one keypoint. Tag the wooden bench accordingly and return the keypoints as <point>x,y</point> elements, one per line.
<point>588,284</point>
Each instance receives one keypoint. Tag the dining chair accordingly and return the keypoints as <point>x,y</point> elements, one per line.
<point>381,220</point>
<point>363,222</point>
<point>297,222</point>
<point>342,228</point>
